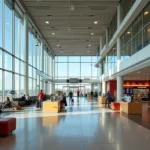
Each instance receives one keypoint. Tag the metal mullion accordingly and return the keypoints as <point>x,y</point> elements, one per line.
<point>3,58</point>
<point>13,49</point>
<point>19,46</point>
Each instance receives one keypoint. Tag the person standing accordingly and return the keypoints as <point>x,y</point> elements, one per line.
<point>108,98</point>
<point>70,96</point>
<point>40,98</point>
<point>92,94</point>
<point>78,92</point>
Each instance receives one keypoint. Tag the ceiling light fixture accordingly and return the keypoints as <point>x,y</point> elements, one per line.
<point>61,51</point>
<point>89,45</point>
<point>128,32</point>
<point>95,22</point>
<point>92,33</point>
<point>57,45</point>
<point>146,13</point>
<point>53,33</point>
<point>88,51</point>
<point>47,22</point>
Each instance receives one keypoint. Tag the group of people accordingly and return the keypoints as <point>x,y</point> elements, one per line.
<point>26,98</point>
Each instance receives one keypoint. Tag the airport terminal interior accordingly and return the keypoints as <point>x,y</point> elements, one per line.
<point>74,74</point>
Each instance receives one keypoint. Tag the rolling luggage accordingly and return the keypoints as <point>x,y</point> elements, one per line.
<point>72,100</point>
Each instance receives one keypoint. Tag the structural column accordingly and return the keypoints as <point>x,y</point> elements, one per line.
<point>26,53</point>
<point>118,15</point>
<point>119,88</point>
<point>53,75</point>
<point>107,38</point>
<point>101,43</point>
<point>118,54</point>
<point>42,50</point>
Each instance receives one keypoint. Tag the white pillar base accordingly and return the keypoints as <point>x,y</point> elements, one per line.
<point>119,88</point>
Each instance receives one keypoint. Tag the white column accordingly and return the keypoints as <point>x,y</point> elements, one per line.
<point>43,62</point>
<point>118,15</point>
<point>103,87</point>
<point>101,43</point>
<point>118,54</point>
<point>26,52</point>
<point>119,88</point>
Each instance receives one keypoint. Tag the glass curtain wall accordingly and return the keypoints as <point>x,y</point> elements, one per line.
<point>12,53</point>
<point>137,36</point>
<point>75,67</point>
<point>80,67</point>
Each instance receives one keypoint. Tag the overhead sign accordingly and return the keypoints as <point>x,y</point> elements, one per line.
<point>12,92</point>
<point>74,80</point>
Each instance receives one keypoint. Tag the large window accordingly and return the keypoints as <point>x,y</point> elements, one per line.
<point>1,23</point>
<point>8,83</point>
<point>75,67</point>
<point>17,83</point>
<point>74,70</point>
<point>1,91</point>
<point>8,62</point>
<point>8,27</point>
<point>0,58</point>
<point>12,52</point>
<point>137,36</point>
<point>125,7</point>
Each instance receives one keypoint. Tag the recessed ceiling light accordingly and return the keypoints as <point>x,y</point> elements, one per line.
<point>88,51</point>
<point>89,45</point>
<point>53,33</point>
<point>58,45</point>
<point>92,33</point>
<point>128,32</point>
<point>61,51</point>
<point>95,22</point>
<point>146,13</point>
<point>47,22</point>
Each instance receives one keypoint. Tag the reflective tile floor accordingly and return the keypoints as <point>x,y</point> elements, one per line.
<point>84,125</point>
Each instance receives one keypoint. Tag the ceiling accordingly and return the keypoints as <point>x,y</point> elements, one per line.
<point>142,74</point>
<point>72,21</point>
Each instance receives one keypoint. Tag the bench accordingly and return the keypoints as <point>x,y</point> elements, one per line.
<point>7,126</point>
<point>115,105</point>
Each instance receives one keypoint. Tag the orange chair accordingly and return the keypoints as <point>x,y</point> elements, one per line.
<point>115,106</point>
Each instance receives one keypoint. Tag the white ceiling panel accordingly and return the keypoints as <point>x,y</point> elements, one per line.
<point>72,21</point>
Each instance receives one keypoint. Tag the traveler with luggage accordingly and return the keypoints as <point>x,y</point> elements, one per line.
<point>40,98</point>
<point>108,99</point>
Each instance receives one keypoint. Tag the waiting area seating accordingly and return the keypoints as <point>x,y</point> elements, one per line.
<point>7,126</point>
<point>115,106</point>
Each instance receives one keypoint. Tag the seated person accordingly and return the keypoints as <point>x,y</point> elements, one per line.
<point>23,98</point>
<point>6,103</point>
<point>28,100</point>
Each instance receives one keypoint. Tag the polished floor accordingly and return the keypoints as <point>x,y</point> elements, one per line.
<point>85,125</point>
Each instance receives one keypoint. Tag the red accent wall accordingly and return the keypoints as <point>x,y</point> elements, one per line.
<point>111,86</point>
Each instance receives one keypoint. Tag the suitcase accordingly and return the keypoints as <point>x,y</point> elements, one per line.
<point>72,100</point>
<point>37,104</point>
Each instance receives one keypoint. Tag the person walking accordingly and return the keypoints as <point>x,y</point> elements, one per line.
<point>78,92</point>
<point>40,98</point>
<point>108,98</point>
<point>70,96</point>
